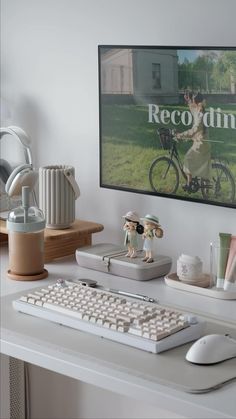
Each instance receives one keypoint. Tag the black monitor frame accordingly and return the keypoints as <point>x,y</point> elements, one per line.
<point>141,90</point>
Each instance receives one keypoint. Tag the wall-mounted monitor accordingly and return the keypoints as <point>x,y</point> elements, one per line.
<point>168,121</point>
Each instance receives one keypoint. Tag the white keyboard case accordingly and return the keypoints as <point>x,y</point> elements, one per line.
<point>107,257</point>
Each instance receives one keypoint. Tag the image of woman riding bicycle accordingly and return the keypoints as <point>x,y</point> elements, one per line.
<point>197,161</point>
<point>200,173</point>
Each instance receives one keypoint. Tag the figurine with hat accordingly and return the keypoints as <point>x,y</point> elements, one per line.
<point>132,228</point>
<point>152,229</point>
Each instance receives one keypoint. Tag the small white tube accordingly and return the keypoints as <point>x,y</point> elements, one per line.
<point>232,255</point>
<point>230,280</point>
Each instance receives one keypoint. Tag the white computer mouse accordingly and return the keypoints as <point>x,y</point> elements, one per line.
<point>211,349</point>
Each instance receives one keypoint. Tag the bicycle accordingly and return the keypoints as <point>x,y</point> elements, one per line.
<point>165,172</point>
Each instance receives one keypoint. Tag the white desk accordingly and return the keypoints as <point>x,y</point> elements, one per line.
<point>112,366</point>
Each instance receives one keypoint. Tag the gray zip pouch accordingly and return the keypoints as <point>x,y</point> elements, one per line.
<point>110,258</point>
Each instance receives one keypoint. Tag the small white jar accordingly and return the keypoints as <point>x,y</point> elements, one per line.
<point>189,268</point>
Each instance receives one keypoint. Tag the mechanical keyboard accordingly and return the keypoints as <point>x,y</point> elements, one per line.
<point>147,326</point>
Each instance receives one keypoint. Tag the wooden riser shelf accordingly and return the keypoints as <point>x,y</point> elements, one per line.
<point>59,243</point>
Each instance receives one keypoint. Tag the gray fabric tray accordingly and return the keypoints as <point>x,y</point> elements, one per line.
<point>107,257</point>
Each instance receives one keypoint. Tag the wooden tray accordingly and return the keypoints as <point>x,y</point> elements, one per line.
<point>60,243</point>
<point>173,281</point>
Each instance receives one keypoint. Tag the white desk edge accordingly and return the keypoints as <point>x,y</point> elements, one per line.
<point>218,404</point>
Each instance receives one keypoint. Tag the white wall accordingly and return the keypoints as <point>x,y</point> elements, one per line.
<point>50,80</point>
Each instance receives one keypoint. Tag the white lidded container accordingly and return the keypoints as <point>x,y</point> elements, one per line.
<point>189,268</point>
<point>25,227</point>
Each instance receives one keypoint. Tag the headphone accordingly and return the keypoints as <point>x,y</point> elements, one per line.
<point>23,175</point>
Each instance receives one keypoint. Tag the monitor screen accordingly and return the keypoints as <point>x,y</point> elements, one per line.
<point>168,121</point>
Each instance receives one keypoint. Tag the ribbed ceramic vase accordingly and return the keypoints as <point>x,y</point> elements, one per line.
<point>57,195</point>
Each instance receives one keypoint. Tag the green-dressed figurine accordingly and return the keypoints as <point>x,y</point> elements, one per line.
<point>132,228</point>
<point>152,229</point>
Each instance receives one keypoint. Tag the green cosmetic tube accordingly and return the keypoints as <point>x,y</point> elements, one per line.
<point>224,245</point>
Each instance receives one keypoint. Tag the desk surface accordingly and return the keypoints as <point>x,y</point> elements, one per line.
<point>113,366</point>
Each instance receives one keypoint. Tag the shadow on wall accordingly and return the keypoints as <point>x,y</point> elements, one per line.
<point>32,119</point>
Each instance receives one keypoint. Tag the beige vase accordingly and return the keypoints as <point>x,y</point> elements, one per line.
<point>58,191</point>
